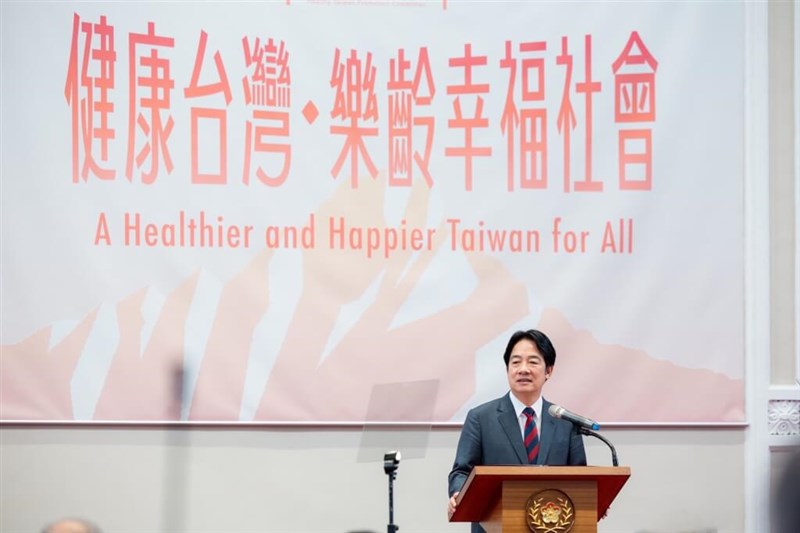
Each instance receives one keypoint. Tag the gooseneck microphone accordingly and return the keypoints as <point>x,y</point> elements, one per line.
<point>586,426</point>
<point>556,411</point>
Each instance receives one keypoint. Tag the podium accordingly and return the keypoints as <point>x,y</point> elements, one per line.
<point>525,499</point>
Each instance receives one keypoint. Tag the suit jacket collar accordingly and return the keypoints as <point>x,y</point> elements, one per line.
<point>507,418</point>
<point>549,427</point>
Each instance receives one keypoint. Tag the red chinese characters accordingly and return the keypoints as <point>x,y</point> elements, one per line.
<point>88,97</point>
<point>149,73</point>
<point>266,78</point>
<point>529,123</point>
<point>468,123</point>
<point>635,102</point>
<point>355,101</point>
<point>567,120</point>
<point>267,91</point>
<point>216,114</point>
<point>405,95</point>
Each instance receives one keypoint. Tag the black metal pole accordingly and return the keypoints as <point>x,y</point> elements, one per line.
<point>391,528</point>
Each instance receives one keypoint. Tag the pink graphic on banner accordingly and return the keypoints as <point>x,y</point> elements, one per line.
<point>144,382</point>
<point>35,381</point>
<point>611,382</point>
<point>220,383</point>
<point>301,386</point>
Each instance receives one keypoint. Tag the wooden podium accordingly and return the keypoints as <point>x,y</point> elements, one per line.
<point>549,498</point>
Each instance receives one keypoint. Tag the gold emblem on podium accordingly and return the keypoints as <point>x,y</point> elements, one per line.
<point>550,511</point>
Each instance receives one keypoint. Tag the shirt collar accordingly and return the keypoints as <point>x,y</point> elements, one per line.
<point>519,406</point>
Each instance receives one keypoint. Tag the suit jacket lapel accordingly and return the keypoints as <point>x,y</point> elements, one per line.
<point>508,420</point>
<point>546,435</point>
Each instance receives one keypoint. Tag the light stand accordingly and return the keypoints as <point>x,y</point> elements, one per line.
<point>390,462</point>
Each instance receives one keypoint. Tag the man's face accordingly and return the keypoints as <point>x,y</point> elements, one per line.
<point>526,371</point>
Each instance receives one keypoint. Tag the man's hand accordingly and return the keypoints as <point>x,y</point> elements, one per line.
<point>451,506</point>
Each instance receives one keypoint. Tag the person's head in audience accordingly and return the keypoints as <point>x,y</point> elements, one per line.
<point>71,525</point>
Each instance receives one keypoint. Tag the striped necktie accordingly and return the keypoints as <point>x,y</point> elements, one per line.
<point>531,436</point>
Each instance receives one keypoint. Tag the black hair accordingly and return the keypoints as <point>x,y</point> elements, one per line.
<point>539,339</point>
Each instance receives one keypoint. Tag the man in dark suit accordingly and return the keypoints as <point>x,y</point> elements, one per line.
<point>786,497</point>
<point>505,431</point>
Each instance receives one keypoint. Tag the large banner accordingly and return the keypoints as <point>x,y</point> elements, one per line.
<point>339,211</point>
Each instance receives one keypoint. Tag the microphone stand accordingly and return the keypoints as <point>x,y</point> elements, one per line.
<point>392,527</point>
<point>588,432</point>
<point>390,462</point>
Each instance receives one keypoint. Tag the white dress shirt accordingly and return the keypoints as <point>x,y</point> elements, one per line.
<point>521,418</point>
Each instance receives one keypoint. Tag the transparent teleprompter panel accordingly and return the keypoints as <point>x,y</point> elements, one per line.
<point>398,418</point>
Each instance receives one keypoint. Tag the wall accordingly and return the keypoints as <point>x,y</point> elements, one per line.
<point>286,480</point>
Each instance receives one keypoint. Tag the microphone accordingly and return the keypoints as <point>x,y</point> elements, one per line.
<point>556,411</point>
<point>585,426</point>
